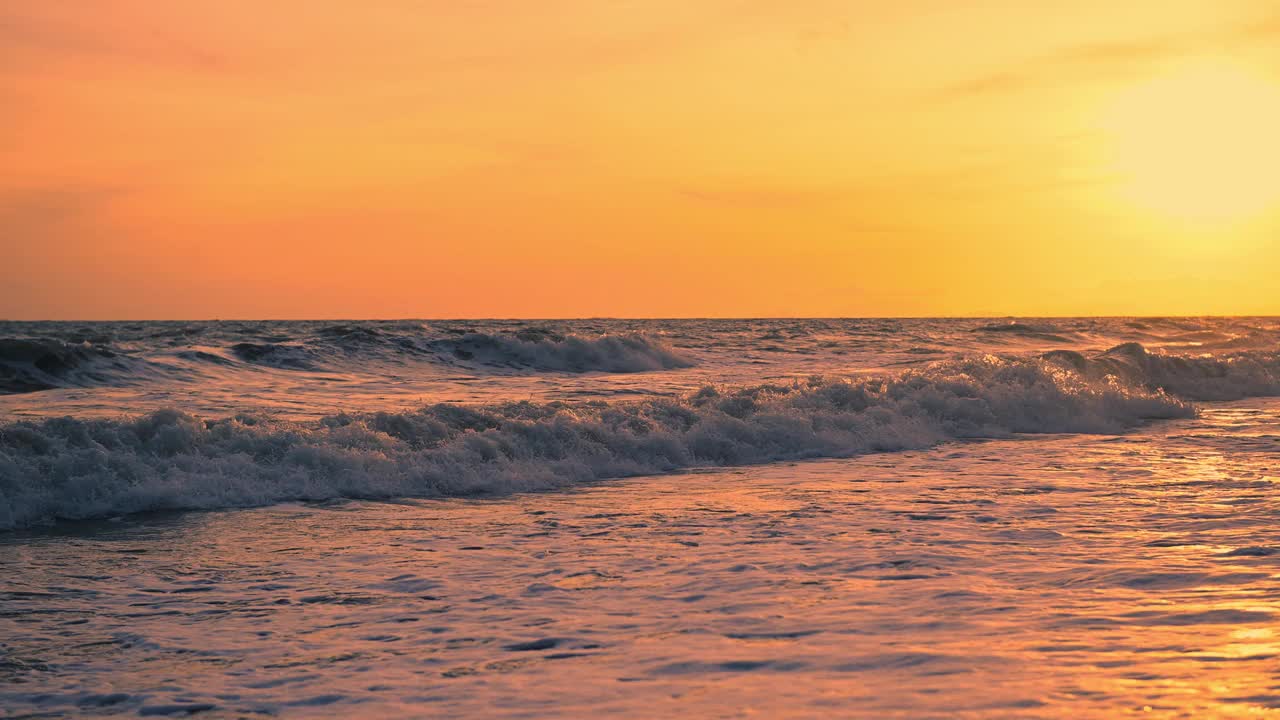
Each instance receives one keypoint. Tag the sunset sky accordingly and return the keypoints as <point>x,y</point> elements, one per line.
<point>565,158</point>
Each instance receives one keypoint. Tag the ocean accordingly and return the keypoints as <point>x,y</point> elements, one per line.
<point>639,518</point>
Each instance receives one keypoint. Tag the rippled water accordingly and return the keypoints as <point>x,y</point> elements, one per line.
<point>1091,576</point>
<point>851,518</point>
<point>135,417</point>
<point>308,369</point>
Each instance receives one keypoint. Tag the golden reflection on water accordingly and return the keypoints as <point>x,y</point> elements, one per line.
<point>1085,576</point>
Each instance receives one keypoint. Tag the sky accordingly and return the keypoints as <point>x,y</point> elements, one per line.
<point>638,158</point>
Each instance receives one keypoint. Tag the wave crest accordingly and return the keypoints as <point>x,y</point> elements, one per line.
<point>1222,377</point>
<point>70,469</point>
<point>34,364</point>
<point>28,365</point>
<point>276,355</point>
<point>1043,332</point>
<point>547,350</point>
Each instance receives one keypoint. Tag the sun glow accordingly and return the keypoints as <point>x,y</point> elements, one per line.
<point>1200,144</point>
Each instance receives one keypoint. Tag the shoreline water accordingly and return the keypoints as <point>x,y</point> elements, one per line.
<point>685,402</point>
<point>64,468</point>
<point>662,537</point>
<point>1094,575</point>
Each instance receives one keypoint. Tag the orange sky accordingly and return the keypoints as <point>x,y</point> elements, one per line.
<point>457,158</point>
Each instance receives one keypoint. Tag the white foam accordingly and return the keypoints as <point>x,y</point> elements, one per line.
<point>70,468</point>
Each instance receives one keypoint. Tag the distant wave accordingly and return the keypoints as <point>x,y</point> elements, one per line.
<point>68,468</point>
<point>336,346</point>
<point>29,365</point>
<point>1032,332</point>
<point>34,364</point>
<point>276,355</point>
<point>545,350</point>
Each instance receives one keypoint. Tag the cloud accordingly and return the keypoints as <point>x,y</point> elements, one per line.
<point>1088,61</point>
<point>36,32</point>
<point>756,197</point>
<point>1081,62</point>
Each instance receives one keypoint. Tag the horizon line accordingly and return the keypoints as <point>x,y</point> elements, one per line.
<point>643,318</point>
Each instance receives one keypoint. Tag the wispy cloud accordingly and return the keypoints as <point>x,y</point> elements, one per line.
<point>1088,61</point>
<point>39,32</point>
<point>758,197</point>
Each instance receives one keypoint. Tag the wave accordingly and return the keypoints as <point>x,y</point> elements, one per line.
<point>1046,333</point>
<point>1222,377</point>
<point>548,350</point>
<point>29,365</point>
<point>276,355</point>
<point>70,468</point>
<point>334,347</point>
<point>35,364</point>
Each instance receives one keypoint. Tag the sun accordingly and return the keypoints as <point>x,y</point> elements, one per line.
<point>1201,144</point>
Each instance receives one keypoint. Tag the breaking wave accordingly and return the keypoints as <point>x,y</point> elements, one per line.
<point>1223,377</point>
<point>29,365</point>
<point>76,468</point>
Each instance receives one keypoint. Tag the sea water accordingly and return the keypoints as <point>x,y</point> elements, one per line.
<point>1011,518</point>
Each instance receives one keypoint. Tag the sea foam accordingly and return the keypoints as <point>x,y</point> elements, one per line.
<point>79,468</point>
